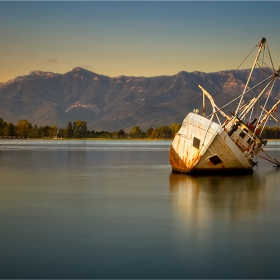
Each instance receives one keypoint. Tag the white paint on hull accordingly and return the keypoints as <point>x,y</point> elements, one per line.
<point>203,145</point>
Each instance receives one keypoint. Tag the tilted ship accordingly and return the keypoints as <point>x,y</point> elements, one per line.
<point>208,144</point>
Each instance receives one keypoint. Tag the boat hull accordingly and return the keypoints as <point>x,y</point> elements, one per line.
<point>202,146</point>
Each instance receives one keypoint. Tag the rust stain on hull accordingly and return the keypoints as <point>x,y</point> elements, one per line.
<point>182,158</point>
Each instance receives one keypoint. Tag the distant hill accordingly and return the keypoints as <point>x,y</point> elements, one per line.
<point>106,103</point>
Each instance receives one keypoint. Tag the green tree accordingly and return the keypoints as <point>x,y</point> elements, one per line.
<point>149,132</point>
<point>69,130</point>
<point>6,129</point>
<point>62,132</point>
<point>92,134</point>
<point>44,131</point>
<point>35,131</point>
<point>163,132</point>
<point>102,134</point>
<point>3,125</point>
<point>273,132</point>
<point>10,129</point>
<point>80,129</point>
<point>121,134</point>
<point>22,128</point>
<point>135,132</point>
<point>41,133</point>
<point>175,127</point>
<point>52,131</point>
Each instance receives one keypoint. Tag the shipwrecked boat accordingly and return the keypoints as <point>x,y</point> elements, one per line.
<point>208,144</point>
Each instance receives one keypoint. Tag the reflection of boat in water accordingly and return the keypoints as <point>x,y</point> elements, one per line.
<point>195,184</point>
<point>203,144</point>
<point>229,184</point>
<point>198,197</point>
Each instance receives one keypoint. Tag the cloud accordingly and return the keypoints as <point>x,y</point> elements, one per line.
<point>52,60</point>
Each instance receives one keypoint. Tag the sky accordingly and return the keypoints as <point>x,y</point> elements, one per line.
<point>134,38</point>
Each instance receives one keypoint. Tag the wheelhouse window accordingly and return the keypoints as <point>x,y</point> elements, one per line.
<point>251,140</point>
<point>243,133</point>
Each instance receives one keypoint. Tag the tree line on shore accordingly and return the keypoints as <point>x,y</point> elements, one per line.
<point>78,129</point>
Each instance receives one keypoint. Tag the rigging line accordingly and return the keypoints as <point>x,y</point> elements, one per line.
<point>269,156</point>
<point>260,49</point>
<point>219,89</point>
<point>275,140</point>
<point>268,96</point>
<point>270,67</point>
<point>261,75</point>
<point>263,69</point>
<point>264,124</point>
<point>248,55</point>
<point>276,130</point>
<point>250,117</point>
<point>242,114</point>
<point>270,57</point>
<point>262,112</point>
<point>276,161</point>
<point>241,95</point>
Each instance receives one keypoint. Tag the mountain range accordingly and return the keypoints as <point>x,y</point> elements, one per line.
<point>106,103</point>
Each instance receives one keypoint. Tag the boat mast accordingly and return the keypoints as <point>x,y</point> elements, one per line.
<point>245,112</point>
<point>261,45</point>
<point>203,104</point>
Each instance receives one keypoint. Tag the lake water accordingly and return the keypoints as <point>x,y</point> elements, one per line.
<point>113,209</point>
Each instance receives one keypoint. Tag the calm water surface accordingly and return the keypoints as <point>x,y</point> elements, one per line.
<point>113,209</point>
